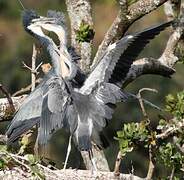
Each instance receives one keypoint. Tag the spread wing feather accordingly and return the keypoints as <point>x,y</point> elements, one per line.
<point>141,39</point>
<point>118,58</point>
<point>55,101</point>
<point>27,115</point>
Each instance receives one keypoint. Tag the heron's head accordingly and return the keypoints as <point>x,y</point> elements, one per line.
<point>54,22</point>
<point>27,17</point>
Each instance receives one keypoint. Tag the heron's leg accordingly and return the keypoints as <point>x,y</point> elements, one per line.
<point>68,151</point>
<point>92,160</point>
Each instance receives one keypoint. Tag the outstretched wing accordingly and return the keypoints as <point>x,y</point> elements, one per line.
<point>55,102</point>
<point>28,114</point>
<point>119,57</point>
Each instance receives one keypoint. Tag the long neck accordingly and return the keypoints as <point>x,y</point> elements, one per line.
<point>53,52</point>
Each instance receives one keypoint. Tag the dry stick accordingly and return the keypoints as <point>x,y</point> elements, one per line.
<point>5,91</point>
<point>151,164</point>
<point>141,101</point>
<point>26,89</point>
<point>33,74</point>
<point>117,164</point>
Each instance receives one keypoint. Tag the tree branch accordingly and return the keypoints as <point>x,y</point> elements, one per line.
<point>147,66</point>
<point>5,108</point>
<point>124,20</point>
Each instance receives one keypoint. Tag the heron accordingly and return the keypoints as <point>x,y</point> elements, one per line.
<point>84,109</point>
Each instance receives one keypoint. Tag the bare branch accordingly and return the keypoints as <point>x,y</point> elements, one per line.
<point>173,127</point>
<point>124,20</point>
<point>117,164</point>
<point>33,68</point>
<point>142,7</point>
<point>147,66</point>
<point>26,89</point>
<point>151,165</point>
<point>141,100</point>
<point>5,108</point>
<point>172,9</point>
<point>7,94</point>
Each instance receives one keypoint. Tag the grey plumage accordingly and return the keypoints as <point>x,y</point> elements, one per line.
<point>84,106</point>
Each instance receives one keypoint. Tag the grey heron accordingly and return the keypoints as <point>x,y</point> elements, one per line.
<point>85,109</point>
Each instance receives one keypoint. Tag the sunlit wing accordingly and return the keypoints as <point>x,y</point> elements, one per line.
<point>118,58</point>
<point>55,102</point>
<point>28,114</point>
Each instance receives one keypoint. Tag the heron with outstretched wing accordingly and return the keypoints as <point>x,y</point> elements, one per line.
<point>84,109</point>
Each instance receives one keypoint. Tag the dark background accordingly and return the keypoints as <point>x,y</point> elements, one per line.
<point>16,46</point>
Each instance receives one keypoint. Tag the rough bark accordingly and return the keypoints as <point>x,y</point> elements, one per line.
<point>80,12</point>
<point>5,107</point>
<point>124,21</point>
<point>68,174</point>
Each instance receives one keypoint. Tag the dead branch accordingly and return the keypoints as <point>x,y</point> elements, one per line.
<point>27,88</point>
<point>7,94</point>
<point>33,68</point>
<point>117,164</point>
<point>5,108</point>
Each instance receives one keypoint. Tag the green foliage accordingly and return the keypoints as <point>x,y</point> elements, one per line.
<point>170,156</point>
<point>132,134</point>
<point>33,161</point>
<point>175,104</point>
<point>85,33</point>
<point>164,151</point>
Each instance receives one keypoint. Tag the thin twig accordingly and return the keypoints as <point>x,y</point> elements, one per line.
<point>27,88</point>
<point>151,164</point>
<point>141,101</point>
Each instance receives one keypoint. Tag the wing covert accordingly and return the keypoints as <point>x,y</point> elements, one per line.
<point>118,58</point>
